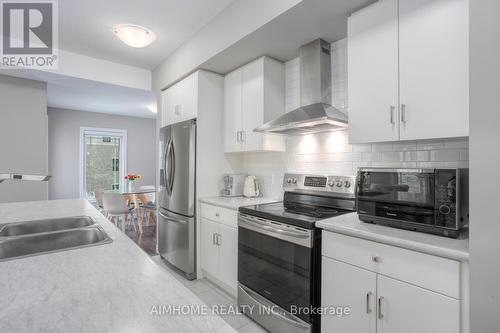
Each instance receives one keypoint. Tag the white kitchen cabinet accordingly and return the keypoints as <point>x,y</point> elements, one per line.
<point>348,285</point>
<point>433,65</point>
<point>228,255</point>
<point>180,101</point>
<point>253,95</point>
<point>373,73</point>
<point>403,307</point>
<point>232,111</point>
<point>219,244</point>
<point>391,290</point>
<point>408,70</point>
<point>210,250</point>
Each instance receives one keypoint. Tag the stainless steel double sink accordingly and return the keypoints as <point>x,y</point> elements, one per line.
<point>28,238</point>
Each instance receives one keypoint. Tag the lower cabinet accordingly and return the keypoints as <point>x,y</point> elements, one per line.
<point>371,279</point>
<point>219,255</point>
<point>380,304</point>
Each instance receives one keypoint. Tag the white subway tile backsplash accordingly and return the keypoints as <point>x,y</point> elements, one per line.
<point>362,148</point>
<point>394,164</point>
<point>430,164</point>
<point>445,155</point>
<point>456,143</point>
<point>464,154</point>
<point>383,147</point>
<point>405,146</point>
<point>430,145</point>
<point>372,157</point>
<point>456,164</point>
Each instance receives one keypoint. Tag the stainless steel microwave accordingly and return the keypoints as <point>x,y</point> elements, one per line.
<point>428,200</point>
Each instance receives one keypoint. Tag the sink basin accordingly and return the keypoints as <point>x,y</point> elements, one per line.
<point>48,225</point>
<point>32,244</point>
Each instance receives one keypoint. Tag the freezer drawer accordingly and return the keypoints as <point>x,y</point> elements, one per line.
<point>176,241</point>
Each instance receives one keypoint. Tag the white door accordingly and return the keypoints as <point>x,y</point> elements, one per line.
<point>228,268</point>
<point>346,285</point>
<point>232,111</point>
<point>411,309</point>
<point>252,112</point>
<point>209,250</point>
<point>434,92</point>
<point>373,73</point>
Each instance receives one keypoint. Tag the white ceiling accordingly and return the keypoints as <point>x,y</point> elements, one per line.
<point>282,37</point>
<point>85,26</point>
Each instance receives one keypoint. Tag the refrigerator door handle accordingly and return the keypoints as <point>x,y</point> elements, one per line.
<point>172,175</point>
<point>167,164</point>
<point>165,177</point>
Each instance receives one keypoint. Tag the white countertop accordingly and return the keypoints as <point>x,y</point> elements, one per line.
<point>349,224</point>
<point>105,288</point>
<point>236,202</point>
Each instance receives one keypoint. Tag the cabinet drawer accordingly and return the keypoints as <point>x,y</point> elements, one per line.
<point>219,214</point>
<point>424,270</point>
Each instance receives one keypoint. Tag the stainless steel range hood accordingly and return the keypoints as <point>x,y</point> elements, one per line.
<point>316,113</point>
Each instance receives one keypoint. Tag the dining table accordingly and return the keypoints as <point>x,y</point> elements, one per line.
<point>136,196</point>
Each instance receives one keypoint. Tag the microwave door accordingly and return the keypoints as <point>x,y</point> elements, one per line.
<point>180,157</point>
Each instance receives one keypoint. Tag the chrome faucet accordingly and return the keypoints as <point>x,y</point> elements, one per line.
<point>22,177</point>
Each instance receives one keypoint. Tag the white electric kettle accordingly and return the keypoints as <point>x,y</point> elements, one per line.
<point>251,188</point>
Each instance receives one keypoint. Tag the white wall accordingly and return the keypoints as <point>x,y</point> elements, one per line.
<point>484,162</point>
<point>235,22</point>
<point>23,137</point>
<point>64,146</point>
<point>330,152</point>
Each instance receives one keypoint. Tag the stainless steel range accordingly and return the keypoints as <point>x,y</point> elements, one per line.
<point>279,251</point>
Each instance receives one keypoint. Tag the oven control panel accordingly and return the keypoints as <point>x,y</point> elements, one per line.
<point>320,183</point>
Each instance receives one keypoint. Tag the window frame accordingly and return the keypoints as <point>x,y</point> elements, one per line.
<point>122,133</point>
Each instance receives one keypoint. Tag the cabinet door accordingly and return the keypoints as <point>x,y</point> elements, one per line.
<point>434,92</point>
<point>232,111</point>
<point>252,111</point>
<point>411,309</point>
<point>373,73</point>
<point>347,285</point>
<point>168,104</point>
<point>187,99</point>
<point>209,250</point>
<point>228,268</point>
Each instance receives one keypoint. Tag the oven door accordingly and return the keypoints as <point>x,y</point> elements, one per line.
<point>275,266</point>
<point>399,194</point>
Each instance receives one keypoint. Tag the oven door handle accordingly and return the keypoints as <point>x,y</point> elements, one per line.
<point>264,302</point>
<point>274,229</point>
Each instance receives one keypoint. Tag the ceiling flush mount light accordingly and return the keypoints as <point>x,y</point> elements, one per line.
<point>134,35</point>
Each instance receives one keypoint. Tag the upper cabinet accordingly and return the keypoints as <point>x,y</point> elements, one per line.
<point>253,95</point>
<point>180,101</point>
<point>408,70</point>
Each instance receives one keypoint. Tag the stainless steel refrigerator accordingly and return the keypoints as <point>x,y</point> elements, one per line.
<point>176,198</point>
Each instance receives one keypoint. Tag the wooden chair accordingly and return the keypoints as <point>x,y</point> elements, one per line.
<point>149,204</point>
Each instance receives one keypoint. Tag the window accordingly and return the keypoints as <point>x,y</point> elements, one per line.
<point>102,160</point>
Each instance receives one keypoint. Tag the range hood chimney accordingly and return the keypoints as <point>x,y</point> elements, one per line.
<point>316,113</point>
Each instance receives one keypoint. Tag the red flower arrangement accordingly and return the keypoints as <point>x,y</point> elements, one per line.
<point>132,176</point>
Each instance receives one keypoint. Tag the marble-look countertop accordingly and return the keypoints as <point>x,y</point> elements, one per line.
<point>236,202</point>
<point>349,224</point>
<point>105,288</point>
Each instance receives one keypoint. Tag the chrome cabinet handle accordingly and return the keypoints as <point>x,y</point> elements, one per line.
<point>380,314</point>
<point>376,259</point>
<point>368,295</point>
<point>392,114</point>
<point>213,239</point>
<point>217,214</point>
<point>217,239</point>
<point>403,113</point>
